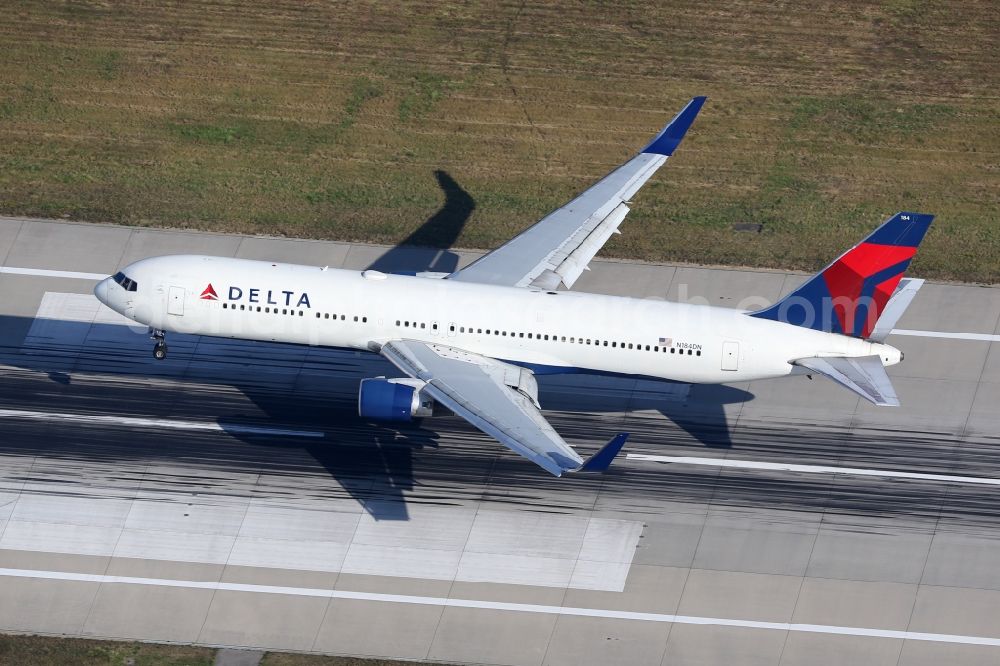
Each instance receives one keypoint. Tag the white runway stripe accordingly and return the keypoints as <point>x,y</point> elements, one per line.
<point>813,469</point>
<point>137,422</point>
<point>505,606</point>
<point>41,272</point>
<point>987,337</point>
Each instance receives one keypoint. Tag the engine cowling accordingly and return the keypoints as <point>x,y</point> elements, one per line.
<point>393,399</point>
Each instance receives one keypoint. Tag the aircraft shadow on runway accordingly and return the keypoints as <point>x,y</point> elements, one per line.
<point>389,469</point>
<point>429,247</point>
<point>310,388</point>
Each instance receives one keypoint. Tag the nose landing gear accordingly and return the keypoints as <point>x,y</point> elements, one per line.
<point>160,349</point>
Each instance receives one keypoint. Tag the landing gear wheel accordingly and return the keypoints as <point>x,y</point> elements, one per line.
<point>160,350</point>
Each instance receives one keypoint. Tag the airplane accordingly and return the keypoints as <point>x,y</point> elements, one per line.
<point>474,340</point>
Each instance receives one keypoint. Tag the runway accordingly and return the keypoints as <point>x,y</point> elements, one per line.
<point>766,511</point>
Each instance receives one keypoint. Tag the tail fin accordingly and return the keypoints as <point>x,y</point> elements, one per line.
<point>849,295</point>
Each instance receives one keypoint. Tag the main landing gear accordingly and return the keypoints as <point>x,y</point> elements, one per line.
<point>160,349</point>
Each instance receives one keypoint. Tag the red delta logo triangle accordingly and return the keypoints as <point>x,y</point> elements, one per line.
<point>209,293</point>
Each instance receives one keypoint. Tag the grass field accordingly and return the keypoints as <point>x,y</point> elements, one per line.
<point>329,120</point>
<point>17,650</point>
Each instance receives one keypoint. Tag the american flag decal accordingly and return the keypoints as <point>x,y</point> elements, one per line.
<point>667,342</point>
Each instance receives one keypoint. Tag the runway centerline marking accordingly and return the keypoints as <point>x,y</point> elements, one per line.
<point>139,422</point>
<point>505,606</point>
<point>812,469</point>
<point>986,337</point>
<point>42,272</point>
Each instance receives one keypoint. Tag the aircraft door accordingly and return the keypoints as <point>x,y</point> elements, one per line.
<point>175,301</point>
<point>730,356</point>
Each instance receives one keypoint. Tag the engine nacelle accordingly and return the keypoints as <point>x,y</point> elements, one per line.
<point>393,399</point>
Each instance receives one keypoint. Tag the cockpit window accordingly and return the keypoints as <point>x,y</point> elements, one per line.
<point>127,283</point>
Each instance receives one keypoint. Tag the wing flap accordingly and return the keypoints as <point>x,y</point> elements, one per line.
<point>569,262</point>
<point>865,375</point>
<point>477,388</point>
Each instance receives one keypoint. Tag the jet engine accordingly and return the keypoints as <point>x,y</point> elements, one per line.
<point>393,399</point>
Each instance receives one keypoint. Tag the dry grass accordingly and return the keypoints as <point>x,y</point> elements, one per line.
<point>328,120</point>
<point>22,650</point>
<point>289,659</point>
<point>48,651</point>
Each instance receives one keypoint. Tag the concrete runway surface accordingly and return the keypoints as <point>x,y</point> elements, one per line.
<point>231,496</point>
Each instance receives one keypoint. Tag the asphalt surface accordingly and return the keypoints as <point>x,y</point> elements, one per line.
<point>221,429</point>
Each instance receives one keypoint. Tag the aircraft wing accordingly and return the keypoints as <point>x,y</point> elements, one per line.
<point>496,397</point>
<point>558,249</point>
<point>865,375</point>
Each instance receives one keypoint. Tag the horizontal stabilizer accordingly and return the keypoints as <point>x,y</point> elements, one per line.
<point>865,375</point>
<point>895,308</point>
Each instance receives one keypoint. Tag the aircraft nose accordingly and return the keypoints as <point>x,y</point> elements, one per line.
<point>101,290</point>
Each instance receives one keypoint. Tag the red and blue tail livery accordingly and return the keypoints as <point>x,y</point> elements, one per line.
<point>849,295</point>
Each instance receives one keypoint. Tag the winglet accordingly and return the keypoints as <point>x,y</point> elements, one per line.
<point>600,461</point>
<point>666,141</point>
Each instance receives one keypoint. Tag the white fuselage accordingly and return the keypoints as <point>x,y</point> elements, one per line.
<point>545,331</point>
